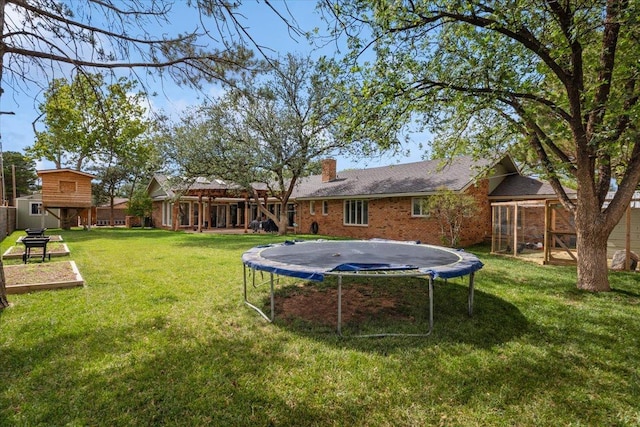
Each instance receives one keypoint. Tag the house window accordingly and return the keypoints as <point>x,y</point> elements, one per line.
<point>185,214</point>
<point>35,209</point>
<point>291,214</point>
<point>419,207</point>
<point>356,212</point>
<point>312,207</point>
<point>274,208</point>
<point>325,207</point>
<point>166,213</point>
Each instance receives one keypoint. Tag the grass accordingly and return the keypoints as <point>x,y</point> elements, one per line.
<point>160,336</point>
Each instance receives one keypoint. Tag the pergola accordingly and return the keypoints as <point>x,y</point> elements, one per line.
<point>206,196</point>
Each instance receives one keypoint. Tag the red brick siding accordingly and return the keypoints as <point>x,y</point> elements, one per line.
<point>156,216</point>
<point>390,218</point>
<point>533,228</point>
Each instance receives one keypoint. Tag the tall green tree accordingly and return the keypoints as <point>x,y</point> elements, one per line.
<point>126,152</point>
<point>25,174</point>
<point>74,115</point>
<point>555,80</point>
<point>273,129</point>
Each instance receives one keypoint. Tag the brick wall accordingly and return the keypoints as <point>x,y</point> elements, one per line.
<point>156,215</point>
<point>390,218</point>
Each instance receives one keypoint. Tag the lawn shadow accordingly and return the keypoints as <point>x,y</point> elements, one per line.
<point>220,381</point>
<point>626,292</point>
<point>398,306</point>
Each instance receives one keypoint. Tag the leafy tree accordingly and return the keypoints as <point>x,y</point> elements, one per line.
<point>272,129</point>
<point>126,151</point>
<point>450,210</point>
<point>140,205</point>
<point>74,118</point>
<point>557,81</point>
<point>25,174</point>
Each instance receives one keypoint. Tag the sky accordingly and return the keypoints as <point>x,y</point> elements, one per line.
<point>264,27</point>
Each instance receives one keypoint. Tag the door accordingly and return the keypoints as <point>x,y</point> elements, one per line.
<point>221,214</point>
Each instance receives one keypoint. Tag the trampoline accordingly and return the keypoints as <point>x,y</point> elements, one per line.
<point>316,259</point>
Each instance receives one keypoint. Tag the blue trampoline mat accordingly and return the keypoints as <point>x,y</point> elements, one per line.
<point>314,259</point>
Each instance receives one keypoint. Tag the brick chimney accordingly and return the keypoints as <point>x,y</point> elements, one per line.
<point>328,170</point>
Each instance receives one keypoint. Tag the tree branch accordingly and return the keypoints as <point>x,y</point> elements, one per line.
<point>125,12</point>
<point>522,36</point>
<point>57,18</point>
<point>191,60</point>
<point>607,63</point>
<point>498,92</point>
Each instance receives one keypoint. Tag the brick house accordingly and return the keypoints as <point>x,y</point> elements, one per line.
<point>386,202</point>
<point>383,202</point>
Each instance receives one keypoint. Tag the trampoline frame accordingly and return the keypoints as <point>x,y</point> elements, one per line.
<point>376,274</point>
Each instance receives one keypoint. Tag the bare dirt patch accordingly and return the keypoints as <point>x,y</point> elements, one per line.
<point>320,305</point>
<point>51,272</point>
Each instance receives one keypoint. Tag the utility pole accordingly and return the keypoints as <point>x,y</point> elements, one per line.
<point>3,186</point>
<point>13,185</point>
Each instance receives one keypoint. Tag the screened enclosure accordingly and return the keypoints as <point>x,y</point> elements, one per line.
<point>517,227</point>
<point>546,230</point>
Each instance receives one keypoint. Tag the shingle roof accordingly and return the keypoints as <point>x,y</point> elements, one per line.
<point>199,184</point>
<point>116,201</point>
<point>518,186</point>
<point>208,184</point>
<point>409,178</point>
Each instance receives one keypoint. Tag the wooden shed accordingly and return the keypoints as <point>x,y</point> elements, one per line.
<point>67,190</point>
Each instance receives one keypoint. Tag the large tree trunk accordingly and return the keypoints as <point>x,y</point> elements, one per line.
<point>592,232</point>
<point>4,302</point>
<point>65,219</point>
<point>282,225</point>
<point>593,269</point>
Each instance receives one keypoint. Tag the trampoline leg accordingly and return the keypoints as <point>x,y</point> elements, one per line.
<point>430,304</point>
<point>246,300</point>
<point>471,283</point>
<point>340,305</point>
<point>244,274</point>
<point>273,301</point>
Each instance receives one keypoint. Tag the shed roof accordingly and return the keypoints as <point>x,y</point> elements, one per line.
<point>50,171</point>
<point>518,186</point>
<point>524,187</point>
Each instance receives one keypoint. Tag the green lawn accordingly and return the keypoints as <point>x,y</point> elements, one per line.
<point>160,336</point>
